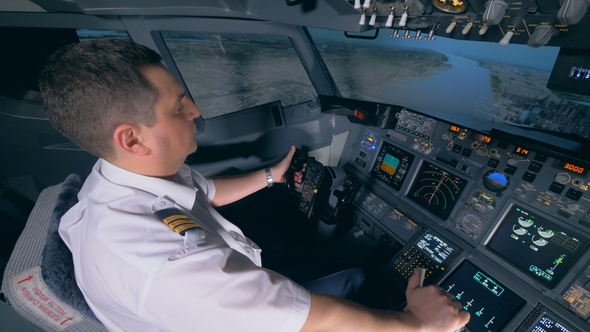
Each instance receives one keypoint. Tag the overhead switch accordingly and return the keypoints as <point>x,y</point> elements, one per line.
<point>467,28</point>
<point>404,18</point>
<point>451,27</point>
<point>495,10</point>
<point>504,41</point>
<point>542,35</point>
<point>389,22</point>
<point>373,18</point>
<point>572,11</point>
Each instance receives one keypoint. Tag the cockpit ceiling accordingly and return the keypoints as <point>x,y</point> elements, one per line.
<point>532,22</point>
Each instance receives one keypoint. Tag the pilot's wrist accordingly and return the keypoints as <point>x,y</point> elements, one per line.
<point>269,177</point>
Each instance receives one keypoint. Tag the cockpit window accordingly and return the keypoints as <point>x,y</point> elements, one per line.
<point>87,34</point>
<point>478,84</point>
<point>226,72</point>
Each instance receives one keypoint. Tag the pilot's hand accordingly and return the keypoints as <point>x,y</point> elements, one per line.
<point>298,177</point>
<point>279,172</point>
<point>434,309</point>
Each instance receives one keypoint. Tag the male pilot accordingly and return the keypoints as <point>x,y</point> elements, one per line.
<point>150,251</point>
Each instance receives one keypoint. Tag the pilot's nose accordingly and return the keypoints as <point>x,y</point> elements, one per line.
<point>193,111</point>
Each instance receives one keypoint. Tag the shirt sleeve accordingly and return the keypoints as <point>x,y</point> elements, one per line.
<point>205,183</point>
<point>224,291</point>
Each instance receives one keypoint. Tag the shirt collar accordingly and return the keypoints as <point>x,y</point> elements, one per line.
<point>182,192</point>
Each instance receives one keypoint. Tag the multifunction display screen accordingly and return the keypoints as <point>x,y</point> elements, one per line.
<point>490,303</point>
<point>436,189</point>
<point>546,323</point>
<point>536,246</point>
<point>392,165</point>
<point>435,248</point>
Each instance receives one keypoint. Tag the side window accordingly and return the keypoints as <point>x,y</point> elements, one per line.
<point>25,50</point>
<point>226,73</point>
<point>87,34</point>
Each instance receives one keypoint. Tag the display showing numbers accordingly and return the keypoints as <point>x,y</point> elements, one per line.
<point>574,168</point>
<point>521,151</point>
<point>455,129</point>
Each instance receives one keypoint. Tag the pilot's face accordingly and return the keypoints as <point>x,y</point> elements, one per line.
<point>171,139</point>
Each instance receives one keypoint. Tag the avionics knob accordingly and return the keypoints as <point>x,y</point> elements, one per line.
<point>562,178</point>
<point>495,10</point>
<point>572,207</point>
<point>542,35</point>
<point>572,11</point>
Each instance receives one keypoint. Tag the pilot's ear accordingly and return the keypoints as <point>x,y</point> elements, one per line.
<point>128,139</point>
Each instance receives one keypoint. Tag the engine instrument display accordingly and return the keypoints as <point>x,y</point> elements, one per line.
<point>436,189</point>
<point>545,250</point>
<point>392,165</point>
<point>490,303</point>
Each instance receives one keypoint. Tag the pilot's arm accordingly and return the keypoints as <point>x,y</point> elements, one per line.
<point>429,309</point>
<point>232,188</point>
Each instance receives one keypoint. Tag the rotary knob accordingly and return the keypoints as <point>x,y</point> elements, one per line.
<point>562,178</point>
<point>572,207</point>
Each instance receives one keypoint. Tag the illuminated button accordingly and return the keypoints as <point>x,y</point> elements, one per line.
<point>466,152</point>
<point>493,162</point>
<point>535,167</point>
<point>574,194</point>
<point>457,148</point>
<point>509,169</point>
<point>529,177</point>
<point>556,187</point>
<point>360,162</point>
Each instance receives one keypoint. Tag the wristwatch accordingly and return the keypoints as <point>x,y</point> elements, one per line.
<point>269,179</point>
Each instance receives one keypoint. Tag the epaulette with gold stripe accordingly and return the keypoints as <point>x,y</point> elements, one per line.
<point>176,220</point>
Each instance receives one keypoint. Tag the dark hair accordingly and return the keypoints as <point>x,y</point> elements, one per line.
<point>90,88</point>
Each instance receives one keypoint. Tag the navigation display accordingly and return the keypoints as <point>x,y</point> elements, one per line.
<point>392,165</point>
<point>436,189</point>
<point>536,246</point>
<point>490,303</point>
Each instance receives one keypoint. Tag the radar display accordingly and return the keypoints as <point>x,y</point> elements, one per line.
<point>436,189</point>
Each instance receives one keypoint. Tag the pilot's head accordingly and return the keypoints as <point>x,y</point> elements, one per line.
<point>90,88</point>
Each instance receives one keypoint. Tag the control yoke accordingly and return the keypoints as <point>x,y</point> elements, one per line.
<point>324,190</point>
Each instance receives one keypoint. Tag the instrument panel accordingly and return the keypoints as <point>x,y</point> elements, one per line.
<point>503,224</point>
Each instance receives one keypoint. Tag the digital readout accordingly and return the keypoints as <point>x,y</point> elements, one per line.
<point>481,138</point>
<point>455,129</point>
<point>521,151</point>
<point>574,168</point>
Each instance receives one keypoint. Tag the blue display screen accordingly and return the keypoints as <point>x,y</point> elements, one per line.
<point>490,303</point>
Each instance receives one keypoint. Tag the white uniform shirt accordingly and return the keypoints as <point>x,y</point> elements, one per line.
<point>137,274</point>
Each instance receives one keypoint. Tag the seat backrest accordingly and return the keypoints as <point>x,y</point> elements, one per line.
<point>39,279</point>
